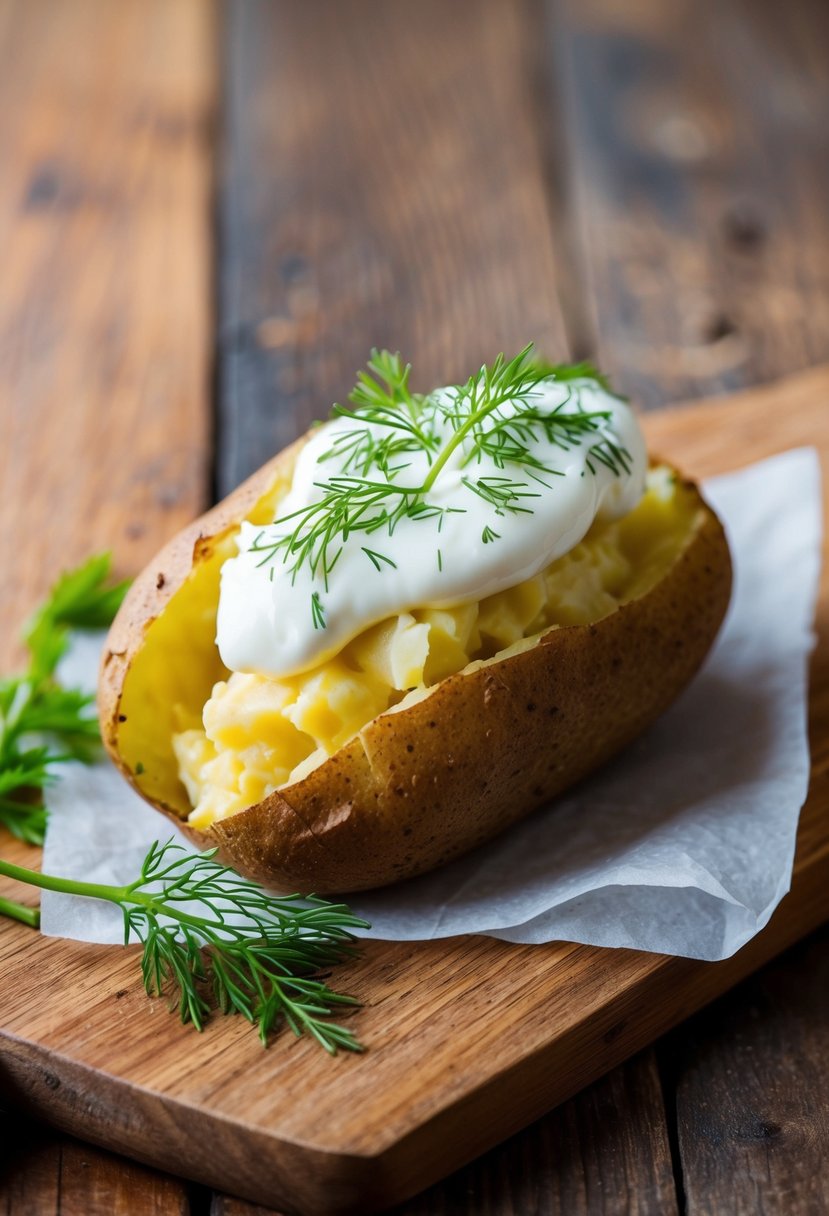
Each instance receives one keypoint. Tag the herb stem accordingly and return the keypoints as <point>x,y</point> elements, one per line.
<point>492,400</point>
<point>445,453</point>
<point>454,443</point>
<point>15,911</point>
<point>102,891</point>
<point>68,886</point>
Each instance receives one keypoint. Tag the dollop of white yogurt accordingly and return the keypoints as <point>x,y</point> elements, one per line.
<point>278,618</point>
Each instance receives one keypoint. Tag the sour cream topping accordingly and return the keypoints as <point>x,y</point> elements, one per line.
<point>277,617</point>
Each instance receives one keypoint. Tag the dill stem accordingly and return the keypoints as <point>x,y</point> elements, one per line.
<point>15,911</point>
<point>68,886</point>
<point>102,891</point>
<point>156,905</point>
<point>456,440</point>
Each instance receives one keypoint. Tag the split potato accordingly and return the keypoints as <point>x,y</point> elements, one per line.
<point>452,762</point>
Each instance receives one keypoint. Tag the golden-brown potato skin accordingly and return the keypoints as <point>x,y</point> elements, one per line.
<point>419,786</point>
<point>156,585</point>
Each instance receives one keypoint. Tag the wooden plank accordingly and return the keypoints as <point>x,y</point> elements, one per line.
<point>383,186</point>
<point>747,1081</point>
<point>469,1039</point>
<point>105,328</point>
<point>697,174</point>
<point>48,1174</point>
<point>752,1101</point>
<point>697,177</point>
<point>604,1152</point>
<point>226,1205</point>
<point>105,315</point>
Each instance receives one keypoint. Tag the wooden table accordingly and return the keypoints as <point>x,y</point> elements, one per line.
<point>208,214</point>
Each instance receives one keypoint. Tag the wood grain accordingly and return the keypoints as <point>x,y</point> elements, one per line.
<point>383,185</point>
<point>696,176</point>
<point>105,337</point>
<point>469,1039</point>
<point>605,1152</point>
<point>751,1098</point>
<point>47,1174</point>
<point>226,1205</point>
<point>105,316</point>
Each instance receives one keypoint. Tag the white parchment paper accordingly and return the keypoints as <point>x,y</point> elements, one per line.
<point>683,845</point>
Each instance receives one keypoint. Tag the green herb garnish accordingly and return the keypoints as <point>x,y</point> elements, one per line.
<point>209,937</point>
<point>369,493</point>
<point>43,724</point>
<point>217,941</point>
<point>317,611</point>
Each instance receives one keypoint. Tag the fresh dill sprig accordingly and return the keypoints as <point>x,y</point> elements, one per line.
<point>377,558</point>
<point>369,493</point>
<point>42,723</point>
<point>212,940</point>
<point>502,494</point>
<point>385,387</point>
<point>349,505</point>
<point>382,395</point>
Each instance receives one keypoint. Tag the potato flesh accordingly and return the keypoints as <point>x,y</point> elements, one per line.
<point>259,734</point>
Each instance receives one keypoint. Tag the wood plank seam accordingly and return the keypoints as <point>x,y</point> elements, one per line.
<point>667,1081</point>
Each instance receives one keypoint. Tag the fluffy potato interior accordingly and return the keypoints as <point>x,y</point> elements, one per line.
<point>234,738</point>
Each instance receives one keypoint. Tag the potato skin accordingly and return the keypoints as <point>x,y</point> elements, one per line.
<point>420,786</point>
<point>153,589</point>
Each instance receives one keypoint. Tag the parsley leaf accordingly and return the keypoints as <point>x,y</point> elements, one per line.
<point>41,722</point>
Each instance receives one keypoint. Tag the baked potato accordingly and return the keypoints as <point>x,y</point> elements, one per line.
<point>514,698</point>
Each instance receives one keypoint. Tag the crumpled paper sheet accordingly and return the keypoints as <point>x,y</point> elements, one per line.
<point>683,845</point>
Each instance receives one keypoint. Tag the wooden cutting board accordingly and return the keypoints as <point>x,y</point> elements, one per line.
<point>468,1039</point>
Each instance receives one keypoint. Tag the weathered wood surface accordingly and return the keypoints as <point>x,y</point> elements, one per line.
<point>697,264</point>
<point>105,315</point>
<point>45,1173</point>
<point>383,185</point>
<point>751,1097</point>
<point>696,173</point>
<point>106,165</point>
<point>604,1151</point>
